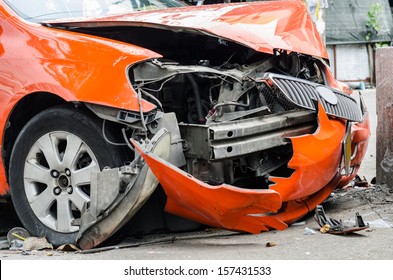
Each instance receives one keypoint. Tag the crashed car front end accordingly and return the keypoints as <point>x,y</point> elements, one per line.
<point>248,149</point>
<point>231,109</point>
<point>250,143</point>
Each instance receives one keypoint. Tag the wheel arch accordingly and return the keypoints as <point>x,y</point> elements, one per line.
<point>33,104</point>
<point>26,108</point>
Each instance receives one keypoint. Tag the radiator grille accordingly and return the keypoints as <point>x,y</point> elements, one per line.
<point>304,94</point>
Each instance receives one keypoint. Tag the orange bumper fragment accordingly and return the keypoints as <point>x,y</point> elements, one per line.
<point>222,206</point>
<point>315,161</point>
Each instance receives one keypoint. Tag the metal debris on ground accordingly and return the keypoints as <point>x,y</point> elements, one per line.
<point>128,245</point>
<point>359,182</point>
<point>335,226</point>
<point>309,231</point>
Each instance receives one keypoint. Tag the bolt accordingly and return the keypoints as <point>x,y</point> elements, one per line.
<point>54,173</point>
<point>68,172</point>
<point>57,190</point>
<point>70,190</point>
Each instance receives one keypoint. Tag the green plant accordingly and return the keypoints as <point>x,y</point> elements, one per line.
<point>373,21</point>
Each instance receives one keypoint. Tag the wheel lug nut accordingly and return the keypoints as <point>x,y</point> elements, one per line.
<point>70,190</point>
<point>68,172</point>
<point>57,190</point>
<point>54,173</point>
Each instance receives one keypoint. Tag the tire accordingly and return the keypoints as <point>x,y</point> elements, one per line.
<point>50,169</point>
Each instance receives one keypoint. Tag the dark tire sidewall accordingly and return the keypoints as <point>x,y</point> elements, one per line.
<point>65,119</point>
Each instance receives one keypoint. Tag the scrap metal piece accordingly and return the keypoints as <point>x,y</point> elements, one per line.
<point>360,182</point>
<point>337,227</point>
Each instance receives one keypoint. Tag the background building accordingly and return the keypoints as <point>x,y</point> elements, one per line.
<point>354,29</point>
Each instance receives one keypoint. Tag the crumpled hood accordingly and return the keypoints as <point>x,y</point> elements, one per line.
<point>263,26</point>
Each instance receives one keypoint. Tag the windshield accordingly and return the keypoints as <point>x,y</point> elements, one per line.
<point>42,10</point>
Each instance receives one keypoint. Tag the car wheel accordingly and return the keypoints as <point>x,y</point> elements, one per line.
<point>50,168</point>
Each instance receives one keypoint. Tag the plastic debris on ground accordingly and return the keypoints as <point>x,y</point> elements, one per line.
<point>309,231</point>
<point>360,182</point>
<point>17,233</point>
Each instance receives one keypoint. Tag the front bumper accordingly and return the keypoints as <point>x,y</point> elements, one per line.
<point>316,163</point>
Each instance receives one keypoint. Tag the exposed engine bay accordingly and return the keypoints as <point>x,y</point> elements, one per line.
<point>207,81</point>
<point>203,97</point>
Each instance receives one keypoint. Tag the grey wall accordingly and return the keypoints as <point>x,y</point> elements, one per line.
<point>384,81</point>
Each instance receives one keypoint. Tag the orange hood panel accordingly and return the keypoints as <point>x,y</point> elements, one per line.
<point>262,26</point>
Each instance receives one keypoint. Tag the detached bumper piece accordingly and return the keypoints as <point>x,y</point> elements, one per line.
<point>337,227</point>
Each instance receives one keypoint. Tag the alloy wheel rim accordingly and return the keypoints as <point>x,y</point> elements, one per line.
<point>57,179</point>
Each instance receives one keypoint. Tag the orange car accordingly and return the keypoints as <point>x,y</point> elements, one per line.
<point>226,114</point>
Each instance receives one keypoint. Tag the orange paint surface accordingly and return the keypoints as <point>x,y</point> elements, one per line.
<point>315,161</point>
<point>75,67</point>
<point>262,25</point>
